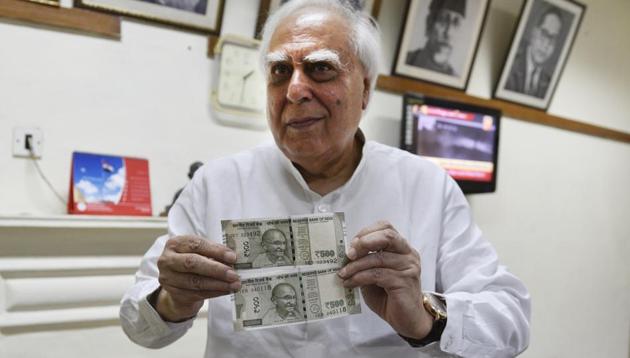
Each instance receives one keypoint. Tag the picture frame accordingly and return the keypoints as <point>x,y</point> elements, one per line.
<point>198,15</point>
<point>540,48</point>
<point>439,39</point>
<point>268,7</point>
<point>55,3</point>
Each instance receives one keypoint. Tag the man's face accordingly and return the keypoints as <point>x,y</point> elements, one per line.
<point>316,86</point>
<point>445,27</point>
<point>285,299</point>
<point>275,243</point>
<point>544,37</point>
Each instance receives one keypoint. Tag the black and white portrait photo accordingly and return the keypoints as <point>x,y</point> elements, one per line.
<point>539,50</point>
<point>439,40</point>
<point>199,15</point>
<point>196,6</point>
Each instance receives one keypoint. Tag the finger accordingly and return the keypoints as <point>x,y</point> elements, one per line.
<point>197,264</point>
<point>382,277</point>
<point>192,295</point>
<point>201,246</point>
<point>377,226</point>
<point>377,259</point>
<point>192,282</point>
<point>382,240</point>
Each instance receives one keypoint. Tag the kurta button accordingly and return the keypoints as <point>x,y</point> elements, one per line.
<point>323,208</point>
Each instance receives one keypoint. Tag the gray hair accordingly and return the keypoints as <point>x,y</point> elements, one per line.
<point>364,36</point>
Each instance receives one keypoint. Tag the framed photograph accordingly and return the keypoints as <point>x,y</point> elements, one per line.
<point>439,39</point>
<point>199,15</point>
<point>540,48</point>
<point>267,7</point>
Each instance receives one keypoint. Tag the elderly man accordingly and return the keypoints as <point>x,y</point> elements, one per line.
<point>443,21</point>
<point>532,70</point>
<point>431,285</point>
<point>284,298</point>
<point>275,244</point>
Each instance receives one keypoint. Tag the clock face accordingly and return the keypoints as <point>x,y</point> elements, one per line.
<point>241,84</point>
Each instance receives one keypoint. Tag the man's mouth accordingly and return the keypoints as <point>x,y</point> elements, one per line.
<point>300,123</point>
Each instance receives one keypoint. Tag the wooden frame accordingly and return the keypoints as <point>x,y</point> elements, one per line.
<point>199,15</point>
<point>55,3</point>
<point>439,39</point>
<point>81,20</point>
<point>540,47</point>
<point>401,85</point>
<point>267,7</point>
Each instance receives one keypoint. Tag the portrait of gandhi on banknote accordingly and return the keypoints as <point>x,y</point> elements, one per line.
<point>269,300</point>
<point>274,242</point>
<point>285,309</point>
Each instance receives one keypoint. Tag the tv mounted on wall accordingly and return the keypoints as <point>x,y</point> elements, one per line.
<point>461,138</point>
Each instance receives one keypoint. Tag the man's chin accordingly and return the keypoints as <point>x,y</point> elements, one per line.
<point>442,55</point>
<point>303,148</point>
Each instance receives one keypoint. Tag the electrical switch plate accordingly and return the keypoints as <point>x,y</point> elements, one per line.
<point>20,134</point>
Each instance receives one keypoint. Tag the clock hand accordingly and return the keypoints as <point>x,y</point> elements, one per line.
<point>248,74</point>
<point>245,80</point>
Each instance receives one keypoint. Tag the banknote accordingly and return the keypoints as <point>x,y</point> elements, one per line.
<point>290,241</point>
<point>292,297</point>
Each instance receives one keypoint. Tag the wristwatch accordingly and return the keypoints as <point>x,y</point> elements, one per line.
<point>436,306</point>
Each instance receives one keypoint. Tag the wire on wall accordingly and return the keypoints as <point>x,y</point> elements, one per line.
<point>41,173</point>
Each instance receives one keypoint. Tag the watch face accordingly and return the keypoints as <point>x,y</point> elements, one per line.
<point>241,84</point>
<point>437,304</point>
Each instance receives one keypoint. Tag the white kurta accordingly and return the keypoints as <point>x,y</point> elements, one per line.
<point>488,308</point>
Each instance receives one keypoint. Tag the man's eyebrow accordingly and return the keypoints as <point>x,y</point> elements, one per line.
<point>277,56</point>
<point>325,56</point>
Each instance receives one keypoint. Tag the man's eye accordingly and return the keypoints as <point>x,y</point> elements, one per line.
<point>321,67</point>
<point>280,69</point>
<point>322,71</point>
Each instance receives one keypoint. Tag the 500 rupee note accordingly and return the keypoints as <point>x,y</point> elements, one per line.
<point>292,297</point>
<point>291,241</point>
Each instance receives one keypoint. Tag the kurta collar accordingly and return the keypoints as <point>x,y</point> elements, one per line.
<point>345,188</point>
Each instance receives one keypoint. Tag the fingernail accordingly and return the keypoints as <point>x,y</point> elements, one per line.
<point>231,275</point>
<point>352,253</point>
<point>346,283</point>
<point>234,286</point>
<point>342,273</point>
<point>354,240</point>
<point>229,257</point>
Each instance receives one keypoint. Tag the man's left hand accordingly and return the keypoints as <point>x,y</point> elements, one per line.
<point>387,269</point>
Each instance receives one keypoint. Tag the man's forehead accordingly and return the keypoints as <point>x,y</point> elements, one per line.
<point>310,19</point>
<point>551,23</point>
<point>449,14</point>
<point>284,290</point>
<point>305,31</point>
<point>273,235</point>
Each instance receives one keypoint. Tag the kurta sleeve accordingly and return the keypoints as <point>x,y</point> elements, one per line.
<point>140,321</point>
<point>488,307</point>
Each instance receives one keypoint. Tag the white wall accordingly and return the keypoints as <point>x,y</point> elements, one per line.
<point>558,219</point>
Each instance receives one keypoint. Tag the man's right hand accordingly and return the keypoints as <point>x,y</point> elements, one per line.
<point>193,269</point>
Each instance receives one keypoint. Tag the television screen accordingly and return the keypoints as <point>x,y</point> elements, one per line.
<point>461,138</point>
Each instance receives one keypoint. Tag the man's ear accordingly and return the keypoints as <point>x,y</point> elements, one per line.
<point>366,93</point>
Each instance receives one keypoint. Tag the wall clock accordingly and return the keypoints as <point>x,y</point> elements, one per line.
<point>238,94</point>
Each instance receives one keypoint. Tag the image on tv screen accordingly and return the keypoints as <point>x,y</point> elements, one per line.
<point>459,141</point>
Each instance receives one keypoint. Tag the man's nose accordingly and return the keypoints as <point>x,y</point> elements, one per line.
<point>447,30</point>
<point>299,89</point>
